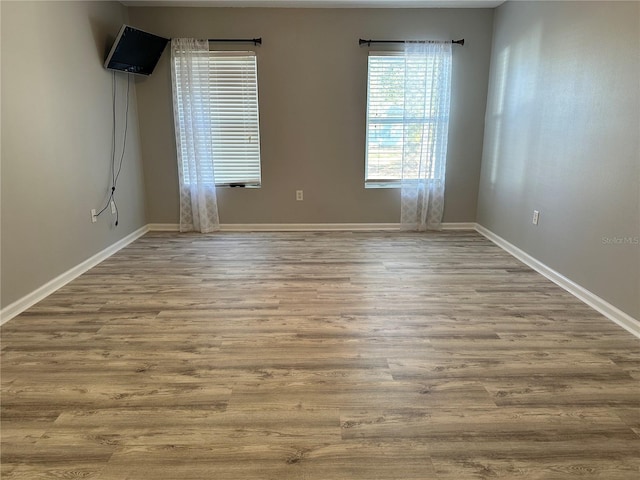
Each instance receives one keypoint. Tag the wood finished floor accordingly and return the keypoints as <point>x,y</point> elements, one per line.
<point>317,356</point>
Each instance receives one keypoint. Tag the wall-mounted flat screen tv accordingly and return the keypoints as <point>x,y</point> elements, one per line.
<point>135,51</point>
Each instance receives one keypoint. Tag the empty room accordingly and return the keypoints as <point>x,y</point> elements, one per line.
<point>320,239</point>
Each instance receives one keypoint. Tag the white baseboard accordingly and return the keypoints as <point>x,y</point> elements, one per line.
<point>19,306</point>
<point>459,226</point>
<point>306,227</point>
<point>163,227</point>
<point>285,227</point>
<point>613,313</point>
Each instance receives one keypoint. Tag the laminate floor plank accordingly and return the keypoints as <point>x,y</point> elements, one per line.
<point>317,356</point>
<point>479,467</point>
<point>484,424</point>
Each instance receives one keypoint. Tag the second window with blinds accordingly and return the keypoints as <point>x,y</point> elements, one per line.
<point>391,126</point>
<point>233,95</point>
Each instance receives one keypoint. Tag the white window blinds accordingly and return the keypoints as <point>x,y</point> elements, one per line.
<point>233,113</point>
<point>385,117</point>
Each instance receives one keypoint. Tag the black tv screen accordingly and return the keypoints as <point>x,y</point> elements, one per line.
<point>135,51</point>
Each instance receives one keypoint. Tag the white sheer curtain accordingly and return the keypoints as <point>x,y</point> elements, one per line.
<point>193,125</point>
<point>427,94</point>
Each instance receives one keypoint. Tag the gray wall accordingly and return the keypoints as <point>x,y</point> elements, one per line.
<point>312,88</point>
<point>56,141</point>
<point>561,137</point>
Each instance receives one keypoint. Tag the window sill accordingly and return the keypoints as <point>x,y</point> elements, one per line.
<point>389,184</point>
<point>397,183</point>
<point>226,185</point>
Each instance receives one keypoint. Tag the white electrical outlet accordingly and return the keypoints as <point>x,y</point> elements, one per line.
<point>94,217</point>
<point>113,207</point>
<point>536,217</point>
<point>299,195</point>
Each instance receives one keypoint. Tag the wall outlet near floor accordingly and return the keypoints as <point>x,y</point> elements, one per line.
<point>94,217</point>
<point>536,217</point>
<point>299,195</point>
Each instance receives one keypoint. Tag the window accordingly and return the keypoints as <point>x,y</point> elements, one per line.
<point>233,95</point>
<point>387,123</point>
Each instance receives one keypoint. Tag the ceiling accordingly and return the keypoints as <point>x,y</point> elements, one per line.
<point>318,3</point>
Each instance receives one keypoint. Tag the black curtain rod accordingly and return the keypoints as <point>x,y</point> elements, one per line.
<point>369,42</point>
<point>255,41</point>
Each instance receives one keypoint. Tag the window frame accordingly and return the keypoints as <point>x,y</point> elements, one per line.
<point>381,182</point>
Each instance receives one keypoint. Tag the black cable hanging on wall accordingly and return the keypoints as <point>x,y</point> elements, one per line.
<point>115,172</point>
<point>362,41</point>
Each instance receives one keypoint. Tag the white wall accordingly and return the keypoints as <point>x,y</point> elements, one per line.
<point>56,141</point>
<point>561,137</point>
